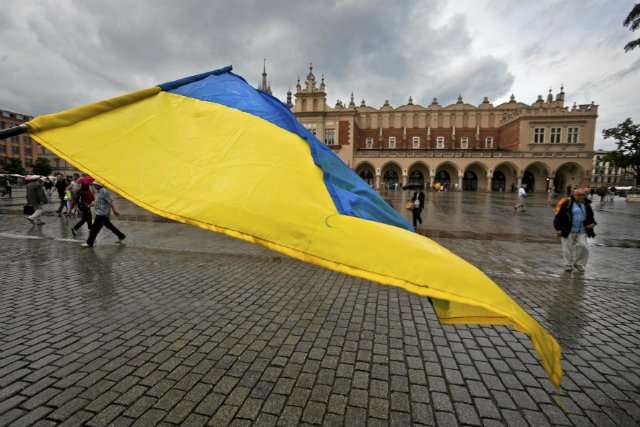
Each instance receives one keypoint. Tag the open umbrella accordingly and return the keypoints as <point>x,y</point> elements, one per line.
<point>85,180</point>
<point>413,187</point>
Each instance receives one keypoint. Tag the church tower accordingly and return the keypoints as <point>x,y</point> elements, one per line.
<point>264,85</point>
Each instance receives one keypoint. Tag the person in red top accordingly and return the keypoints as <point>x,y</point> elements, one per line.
<point>83,198</point>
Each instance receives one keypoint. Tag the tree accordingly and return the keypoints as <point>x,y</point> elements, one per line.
<point>14,165</point>
<point>633,22</point>
<point>627,136</point>
<point>42,166</point>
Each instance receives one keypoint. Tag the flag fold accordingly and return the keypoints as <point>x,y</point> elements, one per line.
<point>213,152</point>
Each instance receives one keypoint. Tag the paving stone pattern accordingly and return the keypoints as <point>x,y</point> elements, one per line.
<point>181,326</point>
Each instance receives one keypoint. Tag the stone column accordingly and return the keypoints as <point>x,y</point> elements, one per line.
<point>489,177</point>
<point>377,179</point>
<point>460,182</point>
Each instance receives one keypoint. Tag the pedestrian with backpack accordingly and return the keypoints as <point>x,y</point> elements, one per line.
<point>83,199</point>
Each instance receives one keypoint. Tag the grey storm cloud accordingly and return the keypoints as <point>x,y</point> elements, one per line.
<point>70,53</point>
<point>59,54</point>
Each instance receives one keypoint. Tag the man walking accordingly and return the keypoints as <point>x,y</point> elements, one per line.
<point>35,198</point>
<point>574,222</point>
<point>522,193</point>
<point>103,205</point>
<point>61,187</point>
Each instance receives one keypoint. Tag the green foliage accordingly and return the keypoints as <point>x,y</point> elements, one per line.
<point>42,166</point>
<point>633,22</point>
<point>627,136</point>
<point>13,165</point>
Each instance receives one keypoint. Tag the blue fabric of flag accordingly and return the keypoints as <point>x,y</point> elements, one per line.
<point>350,194</point>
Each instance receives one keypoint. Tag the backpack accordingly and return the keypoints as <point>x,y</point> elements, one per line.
<point>559,204</point>
<point>82,201</point>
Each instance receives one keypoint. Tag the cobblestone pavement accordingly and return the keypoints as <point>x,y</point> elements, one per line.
<point>181,326</point>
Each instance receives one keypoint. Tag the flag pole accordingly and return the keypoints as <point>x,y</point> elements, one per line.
<point>16,130</point>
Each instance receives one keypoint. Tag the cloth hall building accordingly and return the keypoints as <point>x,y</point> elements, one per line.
<point>459,146</point>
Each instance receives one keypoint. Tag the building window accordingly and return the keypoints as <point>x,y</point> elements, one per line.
<point>488,142</point>
<point>15,149</point>
<point>28,163</point>
<point>572,135</point>
<point>369,143</point>
<point>330,136</point>
<point>555,135</point>
<point>464,143</point>
<point>392,142</point>
<point>416,142</point>
<point>538,136</point>
<point>3,147</point>
<point>311,128</point>
<point>440,142</point>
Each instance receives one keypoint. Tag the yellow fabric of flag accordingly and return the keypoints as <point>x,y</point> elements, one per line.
<point>215,166</point>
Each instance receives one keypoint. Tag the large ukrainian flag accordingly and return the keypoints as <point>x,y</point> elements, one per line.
<point>212,151</point>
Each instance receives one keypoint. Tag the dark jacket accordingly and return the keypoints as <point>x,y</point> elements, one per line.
<point>564,217</point>
<point>35,194</point>
<point>420,196</point>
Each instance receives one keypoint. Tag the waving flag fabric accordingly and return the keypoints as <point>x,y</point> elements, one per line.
<point>212,151</point>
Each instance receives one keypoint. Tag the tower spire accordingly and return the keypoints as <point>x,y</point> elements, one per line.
<point>264,85</point>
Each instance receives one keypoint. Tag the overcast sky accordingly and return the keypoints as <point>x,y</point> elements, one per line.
<point>59,54</point>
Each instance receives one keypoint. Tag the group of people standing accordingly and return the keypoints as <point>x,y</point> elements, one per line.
<point>76,197</point>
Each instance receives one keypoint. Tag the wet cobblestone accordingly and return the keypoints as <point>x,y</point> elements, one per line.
<point>185,327</point>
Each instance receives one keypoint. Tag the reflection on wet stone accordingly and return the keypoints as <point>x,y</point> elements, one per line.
<point>184,326</point>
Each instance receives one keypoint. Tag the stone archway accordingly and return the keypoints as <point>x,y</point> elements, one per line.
<point>475,177</point>
<point>367,173</point>
<point>568,175</point>
<point>470,181</point>
<point>418,174</point>
<point>498,181</point>
<point>446,176</point>
<point>391,176</point>
<point>535,177</point>
<point>505,177</point>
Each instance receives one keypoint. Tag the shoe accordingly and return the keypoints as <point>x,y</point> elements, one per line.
<point>41,223</point>
<point>31,221</point>
<point>85,245</point>
<point>120,240</point>
<point>568,268</point>
<point>579,268</point>
<point>59,214</point>
<point>73,231</point>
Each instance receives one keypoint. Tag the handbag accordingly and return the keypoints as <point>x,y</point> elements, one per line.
<point>410,206</point>
<point>28,210</point>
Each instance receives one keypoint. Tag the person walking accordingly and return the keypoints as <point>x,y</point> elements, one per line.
<point>551,192</point>
<point>522,194</point>
<point>61,187</point>
<point>35,198</point>
<point>84,199</point>
<point>418,206</point>
<point>573,223</point>
<point>103,205</point>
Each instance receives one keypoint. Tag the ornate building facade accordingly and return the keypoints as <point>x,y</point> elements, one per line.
<point>27,150</point>
<point>606,174</point>
<point>459,146</point>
